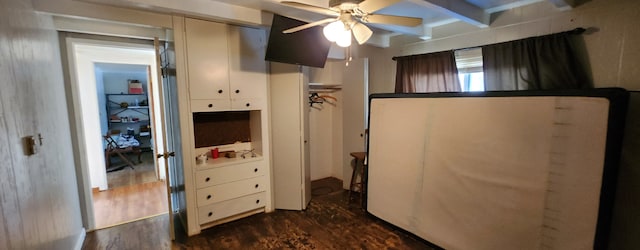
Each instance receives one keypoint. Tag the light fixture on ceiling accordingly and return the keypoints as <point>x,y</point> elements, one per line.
<point>349,16</point>
<point>338,32</point>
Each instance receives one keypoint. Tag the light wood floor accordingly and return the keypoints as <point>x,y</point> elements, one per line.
<point>128,203</point>
<point>133,194</point>
<point>142,172</point>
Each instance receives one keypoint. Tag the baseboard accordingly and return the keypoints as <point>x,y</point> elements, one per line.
<point>80,240</point>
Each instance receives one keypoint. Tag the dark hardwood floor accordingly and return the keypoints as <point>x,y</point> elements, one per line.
<point>329,222</point>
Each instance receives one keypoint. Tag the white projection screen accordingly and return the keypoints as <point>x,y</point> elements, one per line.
<point>497,170</point>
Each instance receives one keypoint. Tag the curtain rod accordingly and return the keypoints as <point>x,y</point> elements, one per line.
<point>576,31</point>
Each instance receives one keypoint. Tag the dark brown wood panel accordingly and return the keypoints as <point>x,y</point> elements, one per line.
<point>220,128</point>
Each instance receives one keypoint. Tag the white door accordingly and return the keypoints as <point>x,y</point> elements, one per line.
<point>306,158</point>
<point>289,111</point>
<point>355,94</point>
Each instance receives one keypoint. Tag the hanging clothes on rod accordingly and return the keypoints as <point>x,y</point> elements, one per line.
<point>320,99</point>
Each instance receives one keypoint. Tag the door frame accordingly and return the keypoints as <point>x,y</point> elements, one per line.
<point>79,130</point>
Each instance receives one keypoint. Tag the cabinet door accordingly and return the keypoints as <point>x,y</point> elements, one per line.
<point>207,60</point>
<point>247,67</point>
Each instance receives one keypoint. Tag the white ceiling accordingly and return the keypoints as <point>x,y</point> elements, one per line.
<point>434,13</point>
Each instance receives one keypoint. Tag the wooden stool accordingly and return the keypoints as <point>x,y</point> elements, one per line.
<point>359,168</point>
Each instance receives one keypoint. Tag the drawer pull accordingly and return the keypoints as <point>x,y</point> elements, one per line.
<point>257,185</point>
<point>255,170</point>
<point>248,104</point>
<point>207,179</point>
<point>237,91</point>
<point>210,105</point>
<point>208,197</point>
<point>210,213</point>
<point>219,91</point>
<point>257,201</point>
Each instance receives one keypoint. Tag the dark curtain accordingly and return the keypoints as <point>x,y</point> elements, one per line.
<point>435,72</point>
<point>546,62</point>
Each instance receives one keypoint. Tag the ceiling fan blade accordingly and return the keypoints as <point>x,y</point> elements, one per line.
<point>395,20</point>
<point>370,6</point>
<point>361,32</point>
<point>308,25</point>
<point>311,8</point>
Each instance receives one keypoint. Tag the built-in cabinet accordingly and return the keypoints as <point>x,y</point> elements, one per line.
<point>227,99</point>
<point>225,65</point>
<point>290,135</point>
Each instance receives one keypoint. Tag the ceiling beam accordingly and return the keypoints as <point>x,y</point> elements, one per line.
<point>422,31</point>
<point>206,9</point>
<point>459,9</point>
<point>380,40</point>
<point>564,4</point>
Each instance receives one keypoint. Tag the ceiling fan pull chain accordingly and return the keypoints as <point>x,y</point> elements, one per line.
<point>348,57</point>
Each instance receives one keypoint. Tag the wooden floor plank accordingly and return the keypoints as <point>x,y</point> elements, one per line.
<point>329,222</point>
<point>124,204</point>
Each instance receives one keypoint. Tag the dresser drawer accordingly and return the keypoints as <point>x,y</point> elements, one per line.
<point>231,173</point>
<point>231,207</point>
<point>223,192</point>
<point>247,104</point>
<point>210,105</point>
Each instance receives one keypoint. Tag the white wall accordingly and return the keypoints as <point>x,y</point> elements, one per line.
<point>39,204</point>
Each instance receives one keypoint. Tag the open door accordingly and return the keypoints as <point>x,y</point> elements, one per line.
<point>354,112</point>
<point>169,152</point>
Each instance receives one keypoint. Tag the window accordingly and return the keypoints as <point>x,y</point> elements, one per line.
<point>469,63</point>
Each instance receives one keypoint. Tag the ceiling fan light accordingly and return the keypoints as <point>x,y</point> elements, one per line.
<point>332,30</point>
<point>344,39</point>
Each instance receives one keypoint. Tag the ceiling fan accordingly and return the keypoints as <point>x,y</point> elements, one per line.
<point>349,17</point>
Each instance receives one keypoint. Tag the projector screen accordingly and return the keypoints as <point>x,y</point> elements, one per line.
<point>496,170</point>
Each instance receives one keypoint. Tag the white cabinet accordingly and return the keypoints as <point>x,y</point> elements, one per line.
<point>226,66</point>
<point>207,60</point>
<point>226,78</point>
<point>290,136</point>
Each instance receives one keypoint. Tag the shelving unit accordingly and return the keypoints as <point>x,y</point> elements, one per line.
<point>129,111</point>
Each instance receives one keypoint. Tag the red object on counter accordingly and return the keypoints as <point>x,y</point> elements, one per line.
<point>215,153</point>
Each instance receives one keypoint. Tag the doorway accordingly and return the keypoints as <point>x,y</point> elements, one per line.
<point>123,187</point>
